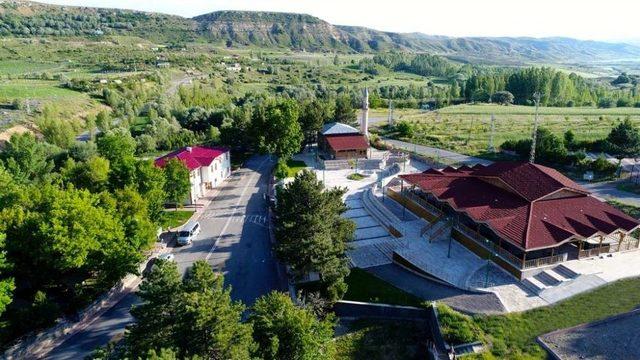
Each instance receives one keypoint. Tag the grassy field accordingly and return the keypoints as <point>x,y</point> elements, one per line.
<point>295,166</point>
<point>21,67</point>
<point>36,90</point>
<point>467,128</point>
<point>513,336</point>
<point>368,288</point>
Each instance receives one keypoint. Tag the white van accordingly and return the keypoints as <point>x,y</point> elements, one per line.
<point>188,232</point>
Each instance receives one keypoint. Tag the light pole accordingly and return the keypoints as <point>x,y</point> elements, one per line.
<point>532,157</point>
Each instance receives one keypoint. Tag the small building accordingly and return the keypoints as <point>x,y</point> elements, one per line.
<point>339,141</point>
<point>208,167</point>
<point>523,216</point>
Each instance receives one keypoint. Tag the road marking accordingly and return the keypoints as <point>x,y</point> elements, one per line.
<point>233,214</point>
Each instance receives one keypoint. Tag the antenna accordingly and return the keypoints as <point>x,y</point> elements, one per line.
<point>492,148</point>
<point>532,157</point>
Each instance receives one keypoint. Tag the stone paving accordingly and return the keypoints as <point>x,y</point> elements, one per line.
<point>615,338</point>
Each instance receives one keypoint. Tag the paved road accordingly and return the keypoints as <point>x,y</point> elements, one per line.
<point>234,239</point>
<point>608,191</point>
<point>445,156</point>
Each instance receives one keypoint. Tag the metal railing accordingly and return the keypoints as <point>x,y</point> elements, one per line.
<point>422,202</point>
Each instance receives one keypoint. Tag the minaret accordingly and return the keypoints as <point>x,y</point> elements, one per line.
<point>364,123</point>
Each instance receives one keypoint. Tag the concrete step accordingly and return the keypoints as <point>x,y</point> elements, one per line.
<point>534,284</point>
<point>547,279</point>
<point>555,275</point>
<point>565,271</point>
<point>387,248</point>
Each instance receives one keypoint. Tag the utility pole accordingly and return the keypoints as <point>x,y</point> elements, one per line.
<point>532,157</point>
<point>492,148</point>
<point>390,119</point>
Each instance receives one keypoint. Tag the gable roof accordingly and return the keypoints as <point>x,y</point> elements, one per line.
<point>347,142</point>
<point>193,157</point>
<point>519,210</point>
<point>336,128</point>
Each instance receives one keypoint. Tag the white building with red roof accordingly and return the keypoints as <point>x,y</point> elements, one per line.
<point>208,167</point>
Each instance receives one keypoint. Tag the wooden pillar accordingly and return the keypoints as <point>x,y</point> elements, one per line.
<point>600,245</point>
<point>622,235</point>
<point>580,249</point>
<point>524,259</point>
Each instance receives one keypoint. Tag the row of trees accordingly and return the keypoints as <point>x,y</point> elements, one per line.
<point>195,318</point>
<point>556,88</point>
<point>73,222</point>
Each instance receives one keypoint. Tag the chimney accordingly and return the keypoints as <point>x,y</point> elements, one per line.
<point>189,148</point>
<point>364,123</point>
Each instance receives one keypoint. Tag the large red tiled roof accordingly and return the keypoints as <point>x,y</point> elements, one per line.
<point>511,198</point>
<point>193,157</point>
<point>347,142</point>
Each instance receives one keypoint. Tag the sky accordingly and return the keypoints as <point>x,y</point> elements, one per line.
<point>611,20</point>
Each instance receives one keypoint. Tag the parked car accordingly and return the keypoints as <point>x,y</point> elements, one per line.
<point>188,233</point>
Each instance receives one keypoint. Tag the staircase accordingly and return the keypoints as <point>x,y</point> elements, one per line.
<point>373,206</point>
<point>549,278</point>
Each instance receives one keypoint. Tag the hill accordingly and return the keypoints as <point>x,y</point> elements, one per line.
<point>295,31</point>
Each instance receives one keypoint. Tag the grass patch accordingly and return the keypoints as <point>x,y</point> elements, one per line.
<point>295,166</point>
<point>388,340</point>
<point>630,210</point>
<point>173,219</point>
<point>362,286</point>
<point>356,177</point>
<point>513,336</point>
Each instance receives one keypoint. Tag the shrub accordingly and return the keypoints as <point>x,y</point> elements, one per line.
<point>282,170</point>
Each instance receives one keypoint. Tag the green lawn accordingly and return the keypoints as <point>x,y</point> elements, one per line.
<point>513,336</point>
<point>295,166</point>
<point>367,288</point>
<point>381,340</point>
<point>467,128</point>
<point>174,219</point>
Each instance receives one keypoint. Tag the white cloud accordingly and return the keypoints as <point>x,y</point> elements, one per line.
<point>587,19</point>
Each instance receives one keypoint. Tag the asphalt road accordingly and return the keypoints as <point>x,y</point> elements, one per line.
<point>234,240</point>
<point>444,155</point>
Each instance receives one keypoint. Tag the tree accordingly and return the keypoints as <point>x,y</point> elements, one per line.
<point>25,158</point>
<point>151,185</point>
<point>502,98</point>
<point>344,111</point>
<point>624,140</point>
<point>283,330</point>
<point>177,181</point>
<point>277,128</point>
<point>404,129</point>
<point>194,317</point>
<point>313,115</point>
<point>119,148</point>
<point>93,174</point>
<point>312,235</point>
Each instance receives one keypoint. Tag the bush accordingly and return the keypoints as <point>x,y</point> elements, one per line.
<point>606,103</point>
<point>145,144</point>
<point>282,170</point>
<point>405,129</point>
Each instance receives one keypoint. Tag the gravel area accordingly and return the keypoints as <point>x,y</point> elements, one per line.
<point>614,338</point>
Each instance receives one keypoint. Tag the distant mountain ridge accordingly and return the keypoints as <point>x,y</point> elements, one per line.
<point>295,31</point>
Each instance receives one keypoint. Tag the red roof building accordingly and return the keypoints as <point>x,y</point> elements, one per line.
<point>208,167</point>
<point>340,141</point>
<point>529,210</point>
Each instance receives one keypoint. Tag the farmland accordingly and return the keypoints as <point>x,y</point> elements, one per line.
<point>467,128</point>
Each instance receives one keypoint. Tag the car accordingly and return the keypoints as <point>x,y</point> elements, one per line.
<point>188,233</point>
